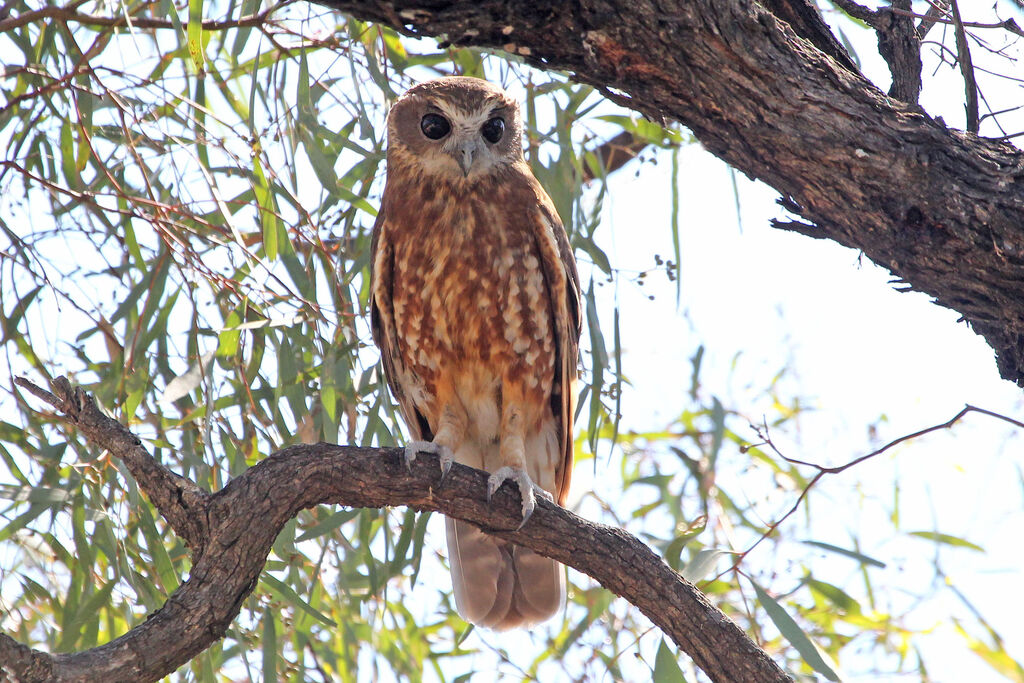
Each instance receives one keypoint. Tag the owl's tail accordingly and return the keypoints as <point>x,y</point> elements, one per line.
<point>500,585</point>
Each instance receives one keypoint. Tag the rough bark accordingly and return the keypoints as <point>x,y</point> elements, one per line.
<point>943,210</point>
<point>231,533</point>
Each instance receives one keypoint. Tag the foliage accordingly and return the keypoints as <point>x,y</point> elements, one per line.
<point>186,203</point>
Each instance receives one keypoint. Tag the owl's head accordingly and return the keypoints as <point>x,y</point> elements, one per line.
<point>455,128</point>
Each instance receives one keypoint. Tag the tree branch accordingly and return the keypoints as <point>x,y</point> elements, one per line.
<point>70,14</point>
<point>939,208</point>
<point>822,470</point>
<point>963,51</point>
<point>613,154</point>
<point>179,500</point>
<point>899,43</point>
<point>243,519</point>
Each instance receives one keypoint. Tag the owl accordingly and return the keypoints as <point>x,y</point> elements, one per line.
<point>475,306</point>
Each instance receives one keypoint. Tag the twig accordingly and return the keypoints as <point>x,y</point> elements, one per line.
<point>931,17</point>
<point>66,14</point>
<point>858,11</point>
<point>934,16</point>
<point>763,434</point>
<point>967,69</point>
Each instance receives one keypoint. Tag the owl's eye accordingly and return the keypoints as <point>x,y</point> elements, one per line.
<point>493,130</point>
<point>435,126</point>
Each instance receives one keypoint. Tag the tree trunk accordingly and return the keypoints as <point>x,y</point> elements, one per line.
<point>766,88</point>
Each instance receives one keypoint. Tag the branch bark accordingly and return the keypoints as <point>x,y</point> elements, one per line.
<point>239,523</point>
<point>940,208</point>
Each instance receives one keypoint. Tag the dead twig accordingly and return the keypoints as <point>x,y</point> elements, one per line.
<point>766,440</point>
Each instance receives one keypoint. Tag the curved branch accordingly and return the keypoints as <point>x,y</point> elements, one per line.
<point>179,500</point>
<point>243,519</point>
<point>941,209</point>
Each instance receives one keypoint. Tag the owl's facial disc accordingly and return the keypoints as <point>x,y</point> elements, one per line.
<point>470,139</point>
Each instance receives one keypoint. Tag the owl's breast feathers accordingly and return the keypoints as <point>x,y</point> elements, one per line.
<point>474,283</point>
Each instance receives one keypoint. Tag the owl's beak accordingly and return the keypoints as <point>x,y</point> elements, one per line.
<point>465,155</point>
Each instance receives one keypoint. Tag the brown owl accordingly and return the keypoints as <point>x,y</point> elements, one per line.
<point>475,307</point>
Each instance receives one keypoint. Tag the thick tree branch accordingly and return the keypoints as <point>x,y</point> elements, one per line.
<point>242,520</point>
<point>939,208</point>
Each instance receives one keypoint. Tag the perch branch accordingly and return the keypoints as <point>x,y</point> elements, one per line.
<point>243,519</point>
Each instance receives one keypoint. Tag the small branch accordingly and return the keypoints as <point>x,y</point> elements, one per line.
<point>967,69</point>
<point>69,15</point>
<point>936,10</point>
<point>898,42</point>
<point>935,16</point>
<point>614,154</point>
<point>800,227</point>
<point>175,497</point>
<point>763,434</point>
<point>858,11</point>
<point>245,517</point>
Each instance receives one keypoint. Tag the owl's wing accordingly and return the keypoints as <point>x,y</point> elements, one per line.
<point>563,283</point>
<point>382,325</point>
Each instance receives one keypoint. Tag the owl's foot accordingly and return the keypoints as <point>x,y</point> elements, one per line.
<point>528,491</point>
<point>441,451</point>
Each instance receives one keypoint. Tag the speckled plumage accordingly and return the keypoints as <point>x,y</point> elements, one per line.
<point>475,307</point>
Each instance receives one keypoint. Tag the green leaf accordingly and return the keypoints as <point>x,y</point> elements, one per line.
<point>195,35</point>
<point>19,522</point>
<point>35,494</point>
<point>676,242</point>
<point>947,539</point>
<point>398,560</point>
<point>717,427</point>
<point>269,644</point>
<point>158,551</point>
<point>329,524</point>
<point>9,323</point>
<point>285,592</point>
<point>666,668</point>
<point>837,596</point>
<point>994,655</point>
<point>792,632</point>
<point>696,361</point>
<point>852,554</point>
<point>702,564</point>
<point>419,542</point>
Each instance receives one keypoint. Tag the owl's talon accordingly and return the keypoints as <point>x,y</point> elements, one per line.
<point>446,464</point>
<point>528,491</point>
<point>442,452</point>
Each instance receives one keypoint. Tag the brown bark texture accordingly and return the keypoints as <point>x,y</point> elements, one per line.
<point>766,87</point>
<point>230,533</point>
